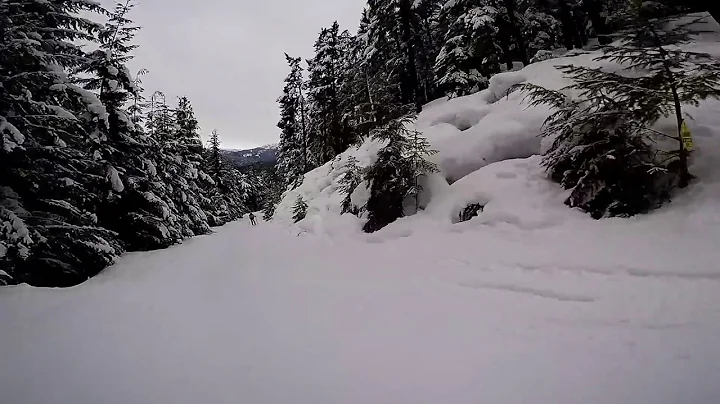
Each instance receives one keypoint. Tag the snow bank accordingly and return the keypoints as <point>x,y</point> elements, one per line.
<point>488,152</point>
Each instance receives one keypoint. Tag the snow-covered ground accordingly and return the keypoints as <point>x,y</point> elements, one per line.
<point>266,315</point>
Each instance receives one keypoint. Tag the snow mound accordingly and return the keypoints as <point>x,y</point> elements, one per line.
<point>320,190</point>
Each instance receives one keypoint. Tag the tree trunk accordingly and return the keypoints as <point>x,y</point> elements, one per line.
<point>593,9</point>
<point>567,26</point>
<point>504,44</point>
<point>410,54</point>
<point>303,130</point>
<point>514,28</point>
<point>684,172</point>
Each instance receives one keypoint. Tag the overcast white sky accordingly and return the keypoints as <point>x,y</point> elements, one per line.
<point>226,56</point>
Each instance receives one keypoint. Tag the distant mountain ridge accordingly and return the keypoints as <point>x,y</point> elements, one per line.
<point>265,155</point>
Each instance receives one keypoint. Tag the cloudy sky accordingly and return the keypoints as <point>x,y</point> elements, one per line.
<point>227,56</point>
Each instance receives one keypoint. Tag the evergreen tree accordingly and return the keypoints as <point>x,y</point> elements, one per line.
<point>372,88</point>
<point>161,122</point>
<point>164,173</point>
<point>125,151</point>
<point>137,109</point>
<point>234,189</point>
<point>299,209</point>
<point>293,147</point>
<point>673,77</point>
<point>540,29</point>
<point>15,241</point>
<point>214,159</point>
<point>180,181</point>
<point>270,205</point>
<point>49,132</point>
<point>350,180</point>
<point>186,148</point>
<point>426,17</point>
<point>416,154</point>
<point>510,22</point>
<point>329,134</point>
<point>395,175</point>
<point>264,184</point>
<point>392,43</point>
<point>80,178</point>
<point>470,53</point>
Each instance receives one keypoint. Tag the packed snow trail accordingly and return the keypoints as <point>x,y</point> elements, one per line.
<point>268,315</point>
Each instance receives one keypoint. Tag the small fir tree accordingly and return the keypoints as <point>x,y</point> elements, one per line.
<point>213,162</point>
<point>416,154</point>
<point>395,174</point>
<point>604,149</point>
<point>299,209</point>
<point>673,77</point>
<point>268,210</point>
<point>350,180</point>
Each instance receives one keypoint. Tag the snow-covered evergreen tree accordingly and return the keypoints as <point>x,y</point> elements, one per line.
<point>605,147</point>
<point>293,148</point>
<point>125,151</point>
<point>213,161</point>
<point>426,19</point>
<point>540,29</point>
<point>269,207</point>
<point>395,175</point>
<point>673,77</point>
<point>299,209</point>
<point>15,241</point>
<point>416,155</point>
<point>392,48</point>
<point>227,188</point>
<point>187,150</point>
<point>350,180</point>
<point>48,128</point>
<point>370,84</point>
<point>328,133</point>
<point>470,53</point>
<point>234,190</point>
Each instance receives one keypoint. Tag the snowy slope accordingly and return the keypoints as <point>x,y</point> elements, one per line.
<point>478,137</point>
<point>260,315</point>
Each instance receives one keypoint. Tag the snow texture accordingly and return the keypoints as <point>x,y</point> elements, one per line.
<point>468,313</point>
<point>114,178</point>
<point>11,136</point>
<point>62,112</point>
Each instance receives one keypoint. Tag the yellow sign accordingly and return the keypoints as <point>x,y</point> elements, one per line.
<point>686,137</point>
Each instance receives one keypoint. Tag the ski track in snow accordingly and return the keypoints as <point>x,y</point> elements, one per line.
<point>637,272</point>
<point>560,296</point>
<point>261,315</point>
